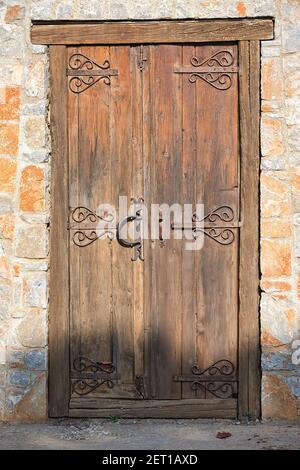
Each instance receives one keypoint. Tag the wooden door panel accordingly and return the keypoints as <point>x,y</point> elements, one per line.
<point>216,181</point>
<point>89,184</point>
<point>138,328</point>
<point>101,273</point>
<point>213,181</point>
<point>166,256</point>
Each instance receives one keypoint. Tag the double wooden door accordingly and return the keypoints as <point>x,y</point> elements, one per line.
<point>155,334</point>
<point>166,111</point>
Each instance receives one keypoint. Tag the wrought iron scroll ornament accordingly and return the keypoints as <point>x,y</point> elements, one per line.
<point>217,70</point>
<point>222,234</point>
<point>83,227</point>
<point>91,375</point>
<point>85,72</point>
<point>218,379</point>
<point>85,230</point>
<point>85,235</point>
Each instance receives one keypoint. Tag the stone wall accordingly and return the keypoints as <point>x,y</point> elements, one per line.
<point>24,193</point>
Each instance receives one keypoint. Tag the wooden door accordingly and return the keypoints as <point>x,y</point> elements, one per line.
<point>157,336</point>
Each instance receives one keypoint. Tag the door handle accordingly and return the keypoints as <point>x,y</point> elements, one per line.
<point>137,245</point>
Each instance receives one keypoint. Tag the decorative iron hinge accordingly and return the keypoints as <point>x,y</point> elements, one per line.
<point>210,226</point>
<point>219,379</point>
<point>217,70</point>
<point>86,227</point>
<point>85,72</point>
<point>88,375</point>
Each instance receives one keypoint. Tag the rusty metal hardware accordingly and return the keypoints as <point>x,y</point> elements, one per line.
<point>89,375</point>
<point>142,59</point>
<point>140,385</point>
<point>162,242</point>
<point>126,243</point>
<point>222,234</point>
<point>219,379</point>
<point>83,226</point>
<point>217,70</point>
<point>85,72</point>
<point>137,245</point>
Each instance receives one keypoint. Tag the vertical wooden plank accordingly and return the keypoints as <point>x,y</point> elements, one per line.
<point>94,188</point>
<point>249,371</point>
<point>254,330</point>
<point>245,136</point>
<point>150,300</point>
<point>217,186</point>
<point>121,160</point>
<point>154,195</point>
<point>74,201</point>
<point>166,188</point>
<point>59,251</point>
<point>200,312</point>
<point>189,182</point>
<point>137,176</point>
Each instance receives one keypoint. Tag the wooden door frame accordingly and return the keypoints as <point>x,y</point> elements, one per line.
<point>248,33</point>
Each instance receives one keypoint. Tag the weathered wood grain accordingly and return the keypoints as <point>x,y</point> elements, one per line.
<point>189,258</point>
<point>217,186</point>
<point>166,189</point>
<point>154,134</point>
<point>249,372</point>
<point>137,191</point>
<point>129,32</point>
<point>122,172</point>
<point>59,254</point>
<point>196,408</point>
